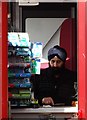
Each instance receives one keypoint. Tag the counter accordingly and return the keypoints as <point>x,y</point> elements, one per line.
<point>44,112</point>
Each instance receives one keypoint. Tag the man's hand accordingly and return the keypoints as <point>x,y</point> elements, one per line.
<point>47,101</point>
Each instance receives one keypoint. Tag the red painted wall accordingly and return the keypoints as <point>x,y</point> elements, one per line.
<point>4,87</point>
<point>69,42</point>
<point>0,59</point>
<point>82,62</point>
<point>86,55</point>
<point>81,57</point>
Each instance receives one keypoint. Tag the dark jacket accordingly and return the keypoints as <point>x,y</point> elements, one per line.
<point>61,88</point>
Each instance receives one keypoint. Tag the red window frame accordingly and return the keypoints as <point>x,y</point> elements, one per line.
<point>81,60</point>
<point>82,53</point>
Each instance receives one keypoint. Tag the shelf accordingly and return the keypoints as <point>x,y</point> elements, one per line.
<point>19,86</point>
<point>19,75</point>
<point>28,65</point>
<point>18,47</point>
<point>18,98</point>
<point>21,66</point>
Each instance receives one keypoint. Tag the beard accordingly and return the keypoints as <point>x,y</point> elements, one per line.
<point>56,70</point>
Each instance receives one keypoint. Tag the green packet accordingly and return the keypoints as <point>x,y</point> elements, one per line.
<point>36,64</point>
<point>24,91</point>
<point>25,95</point>
<point>15,95</point>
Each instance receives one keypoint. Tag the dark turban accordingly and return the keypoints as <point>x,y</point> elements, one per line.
<point>57,51</point>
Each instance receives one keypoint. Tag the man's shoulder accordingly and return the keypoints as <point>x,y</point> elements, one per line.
<point>71,74</point>
<point>43,71</point>
<point>69,71</point>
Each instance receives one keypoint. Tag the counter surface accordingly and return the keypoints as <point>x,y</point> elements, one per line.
<point>44,112</point>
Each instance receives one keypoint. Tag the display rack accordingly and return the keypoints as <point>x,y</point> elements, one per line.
<point>19,73</point>
<point>21,65</point>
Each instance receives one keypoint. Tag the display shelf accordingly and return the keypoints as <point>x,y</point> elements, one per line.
<point>23,62</point>
<point>25,65</point>
<point>19,71</point>
<point>19,75</point>
<point>14,47</point>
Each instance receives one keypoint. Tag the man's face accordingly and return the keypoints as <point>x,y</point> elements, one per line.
<point>55,62</point>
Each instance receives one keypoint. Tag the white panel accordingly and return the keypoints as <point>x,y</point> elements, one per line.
<point>45,30</point>
<point>42,29</point>
<point>55,40</point>
<point>56,0</point>
<point>47,0</point>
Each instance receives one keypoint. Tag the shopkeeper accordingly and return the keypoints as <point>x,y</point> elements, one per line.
<point>55,84</point>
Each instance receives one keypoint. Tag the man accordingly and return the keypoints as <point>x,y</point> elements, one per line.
<point>55,84</point>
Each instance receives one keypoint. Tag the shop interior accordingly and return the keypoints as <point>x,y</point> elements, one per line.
<point>45,23</point>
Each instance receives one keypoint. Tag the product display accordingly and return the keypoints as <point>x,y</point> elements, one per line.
<point>23,61</point>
